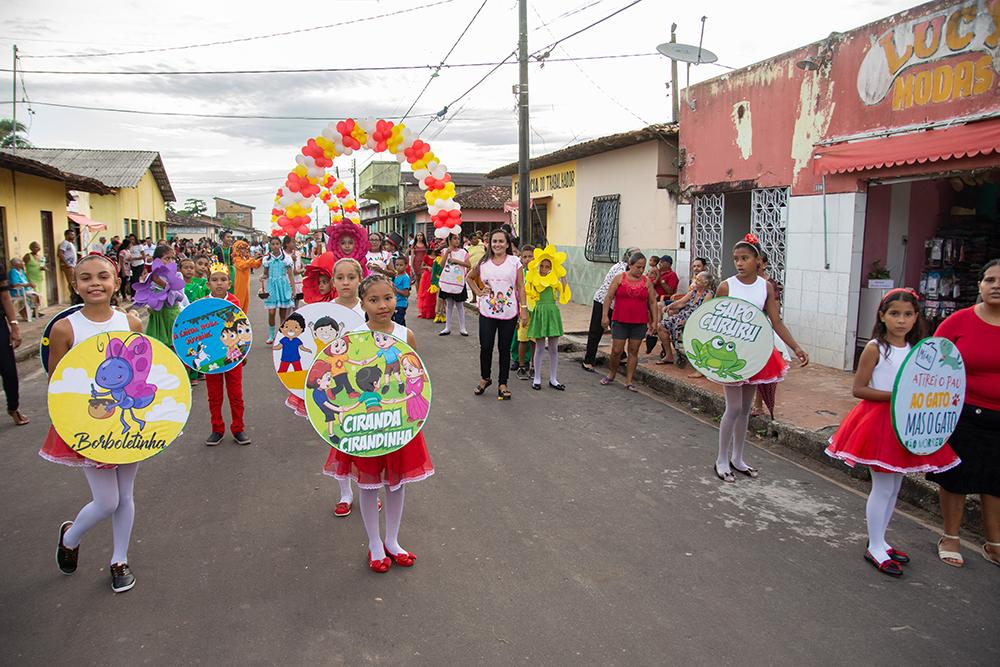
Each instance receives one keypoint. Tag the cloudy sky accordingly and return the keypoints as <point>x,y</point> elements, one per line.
<point>245,159</point>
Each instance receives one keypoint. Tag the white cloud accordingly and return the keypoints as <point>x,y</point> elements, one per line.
<point>168,410</point>
<point>161,377</point>
<point>73,381</point>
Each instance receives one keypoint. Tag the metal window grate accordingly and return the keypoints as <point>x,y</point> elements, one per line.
<point>709,215</point>
<point>768,213</point>
<point>602,233</point>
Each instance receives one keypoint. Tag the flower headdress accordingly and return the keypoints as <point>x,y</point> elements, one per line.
<point>154,296</point>
<point>321,266</point>
<point>535,283</point>
<point>240,246</point>
<point>335,232</point>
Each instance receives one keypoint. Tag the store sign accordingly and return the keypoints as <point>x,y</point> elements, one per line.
<point>909,60</point>
<point>549,182</point>
<point>928,395</point>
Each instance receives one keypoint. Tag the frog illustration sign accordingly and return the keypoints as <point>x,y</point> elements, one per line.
<point>728,339</point>
<point>928,395</point>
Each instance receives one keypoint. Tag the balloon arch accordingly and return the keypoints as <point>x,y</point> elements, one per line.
<point>293,202</point>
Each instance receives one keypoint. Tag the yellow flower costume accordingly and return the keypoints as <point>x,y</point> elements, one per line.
<point>545,293</point>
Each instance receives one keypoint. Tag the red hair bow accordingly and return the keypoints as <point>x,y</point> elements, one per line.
<point>751,238</point>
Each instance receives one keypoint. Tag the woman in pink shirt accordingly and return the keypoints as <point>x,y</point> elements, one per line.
<point>501,306</point>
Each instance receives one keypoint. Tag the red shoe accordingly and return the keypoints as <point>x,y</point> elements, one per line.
<point>380,566</point>
<point>899,556</point>
<point>404,559</point>
<point>888,566</point>
<point>342,509</point>
<point>379,504</point>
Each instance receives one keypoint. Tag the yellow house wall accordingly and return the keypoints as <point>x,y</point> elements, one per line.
<point>558,182</point>
<point>143,203</point>
<point>23,215</point>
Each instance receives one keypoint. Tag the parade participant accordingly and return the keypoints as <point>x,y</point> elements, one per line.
<point>546,288</point>
<point>346,239</point>
<point>426,300</point>
<point>202,264</point>
<point>767,393</point>
<point>288,245</point>
<point>401,283</point>
<point>501,306</point>
<point>162,292</point>
<point>975,332</point>
<point>223,253</point>
<point>866,436</point>
<point>634,311</point>
<point>454,266</point>
<point>377,259</point>
<point>276,283</point>
<point>125,267</point>
<point>231,380</point>
<point>95,280</point>
<point>435,288</point>
<point>411,463</point>
<point>596,330</point>
<point>749,286</point>
<point>523,348</point>
<point>317,284</point>
<point>194,289</point>
<point>243,264</point>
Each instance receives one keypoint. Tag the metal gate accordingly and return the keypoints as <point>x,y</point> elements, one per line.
<point>708,216</point>
<point>768,218</point>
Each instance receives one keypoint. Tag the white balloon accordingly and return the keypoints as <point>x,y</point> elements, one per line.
<point>442,232</point>
<point>400,157</point>
<point>438,171</point>
<point>421,174</point>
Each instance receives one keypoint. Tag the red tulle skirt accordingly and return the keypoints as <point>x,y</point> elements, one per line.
<point>774,370</point>
<point>426,302</point>
<point>409,463</point>
<point>866,437</point>
<point>56,450</point>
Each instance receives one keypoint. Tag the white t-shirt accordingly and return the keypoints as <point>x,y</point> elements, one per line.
<point>68,253</point>
<point>135,252</point>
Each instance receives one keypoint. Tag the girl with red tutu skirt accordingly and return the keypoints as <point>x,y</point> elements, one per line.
<point>411,463</point>
<point>749,286</point>
<point>96,280</point>
<point>866,435</point>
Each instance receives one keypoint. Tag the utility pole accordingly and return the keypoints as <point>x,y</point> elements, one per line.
<point>674,97</point>
<point>13,101</point>
<point>523,170</point>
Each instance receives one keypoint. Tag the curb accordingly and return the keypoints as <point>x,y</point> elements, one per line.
<point>915,489</point>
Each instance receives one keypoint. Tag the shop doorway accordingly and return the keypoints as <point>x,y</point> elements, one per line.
<point>51,261</point>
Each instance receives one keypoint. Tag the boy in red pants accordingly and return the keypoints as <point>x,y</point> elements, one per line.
<point>218,287</point>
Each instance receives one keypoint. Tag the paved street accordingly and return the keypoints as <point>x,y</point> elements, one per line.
<point>577,528</point>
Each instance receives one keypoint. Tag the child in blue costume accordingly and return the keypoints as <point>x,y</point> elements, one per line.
<point>277,283</point>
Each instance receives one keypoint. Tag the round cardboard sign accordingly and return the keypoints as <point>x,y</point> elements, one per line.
<point>928,395</point>
<point>43,345</point>
<point>728,339</point>
<point>119,397</point>
<point>368,393</point>
<point>212,335</point>
<point>303,335</point>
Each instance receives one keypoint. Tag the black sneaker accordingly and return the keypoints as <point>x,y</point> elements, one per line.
<point>241,438</point>
<point>122,578</point>
<point>66,558</point>
<point>515,366</point>
<point>522,373</point>
<point>214,439</point>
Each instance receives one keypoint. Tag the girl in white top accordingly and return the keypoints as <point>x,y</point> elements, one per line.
<point>749,286</point>
<point>95,280</point>
<point>377,259</point>
<point>866,436</point>
<point>451,283</point>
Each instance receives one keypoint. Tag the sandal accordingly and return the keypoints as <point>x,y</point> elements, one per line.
<point>987,551</point>
<point>888,566</point>
<point>900,557</point>
<point>558,386</point>
<point>483,385</point>
<point>952,558</point>
<point>631,387</point>
<point>380,566</point>
<point>503,394</point>
<point>606,381</point>
<point>588,367</point>
<point>404,559</point>
<point>342,509</point>
<point>663,362</point>
<point>750,472</point>
<point>727,477</point>
<point>18,417</point>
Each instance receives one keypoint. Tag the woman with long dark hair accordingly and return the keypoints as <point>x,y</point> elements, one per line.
<point>501,306</point>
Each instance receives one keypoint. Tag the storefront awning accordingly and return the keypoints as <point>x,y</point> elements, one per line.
<point>84,221</point>
<point>930,146</point>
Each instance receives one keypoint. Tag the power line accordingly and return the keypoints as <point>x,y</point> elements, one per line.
<point>313,70</point>
<point>438,68</point>
<point>545,51</point>
<point>248,39</point>
<point>444,110</point>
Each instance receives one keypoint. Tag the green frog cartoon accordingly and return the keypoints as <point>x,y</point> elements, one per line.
<point>718,357</point>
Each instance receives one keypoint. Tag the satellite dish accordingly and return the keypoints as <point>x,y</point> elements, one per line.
<point>687,53</point>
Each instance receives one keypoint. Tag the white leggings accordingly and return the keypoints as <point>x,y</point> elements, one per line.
<point>552,342</point>
<point>879,509</point>
<point>452,310</point>
<point>112,491</point>
<point>733,427</point>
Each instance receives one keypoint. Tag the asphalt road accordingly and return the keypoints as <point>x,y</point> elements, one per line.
<point>583,527</point>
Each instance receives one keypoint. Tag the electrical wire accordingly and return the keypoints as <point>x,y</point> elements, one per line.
<point>247,39</point>
<point>444,110</point>
<point>315,70</point>
<point>546,50</point>
<point>438,68</point>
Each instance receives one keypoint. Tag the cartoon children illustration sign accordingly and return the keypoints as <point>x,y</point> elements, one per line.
<point>212,335</point>
<point>728,339</point>
<point>303,335</point>
<point>119,397</point>
<point>928,395</point>
<point>368,393</point>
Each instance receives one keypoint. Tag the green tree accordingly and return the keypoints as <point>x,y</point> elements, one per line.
<point>194,207</point>
<point>11,134</point>
<point>170,207</point>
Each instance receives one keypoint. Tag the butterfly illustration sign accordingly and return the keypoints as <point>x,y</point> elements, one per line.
<point>368,393</point>
<point>303,335</point>
<point>928,395</point>
<point>212,335</point>
<point>728,339</point>
<point>119,397</point>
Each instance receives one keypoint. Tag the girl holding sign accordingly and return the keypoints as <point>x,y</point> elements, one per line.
<point>455,263</point>
<point>95,279</point>
<point>411,463</point>
<point>866,435</point>
<point>749,286</point>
